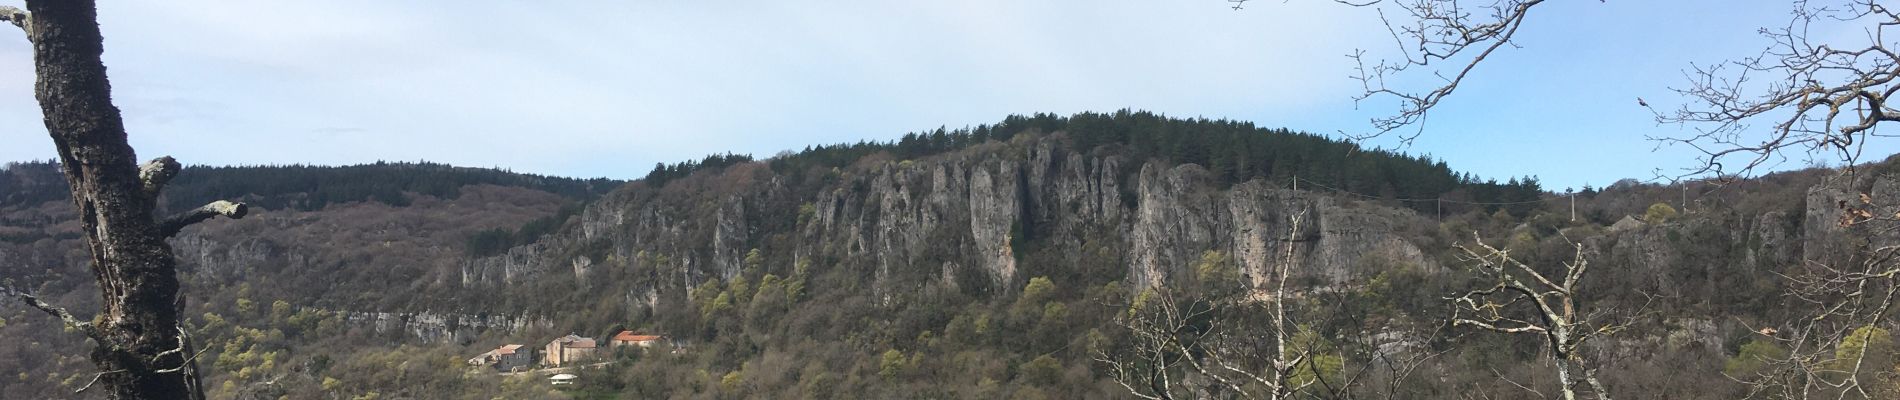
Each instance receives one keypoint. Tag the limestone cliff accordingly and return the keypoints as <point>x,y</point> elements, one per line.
<point>966,218</point>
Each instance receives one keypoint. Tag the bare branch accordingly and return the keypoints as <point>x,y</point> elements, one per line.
<point>1445,36</point>
<point>1810,96</point>
<point>156,173</point>
<point>1844,298</point>
<point>15,16</point>
<point>232,210</point>
<point>64,316</point>
<point>95,379</point>
<point>1557,320</point>
<point>182,366</point>
<point>1176,341</point>
<point>1500,375</point>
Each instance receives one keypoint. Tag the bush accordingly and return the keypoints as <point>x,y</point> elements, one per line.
<point>1870,342</point>
<point>1753,358</point>
<point>1042,371</point>
<point>1659,213</point>
<point>891,364</point>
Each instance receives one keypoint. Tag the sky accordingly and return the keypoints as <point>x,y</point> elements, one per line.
<point>608,88</point>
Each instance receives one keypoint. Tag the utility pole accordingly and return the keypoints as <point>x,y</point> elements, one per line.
<point>1685,197</point>
<point>1573,204</point>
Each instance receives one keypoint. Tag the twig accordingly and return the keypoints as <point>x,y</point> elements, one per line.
<point>56,311</point>
<point>95,379</point>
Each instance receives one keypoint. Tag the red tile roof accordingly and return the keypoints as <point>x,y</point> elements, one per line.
<point>508,349</point>
<point>629,336</point>
<point>575,342</point>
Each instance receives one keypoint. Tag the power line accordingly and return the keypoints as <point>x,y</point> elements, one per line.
<point>1420,200</point>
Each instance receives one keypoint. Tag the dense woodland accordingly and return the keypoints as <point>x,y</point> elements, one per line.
<point>305,187</point>
<point>796,325</point>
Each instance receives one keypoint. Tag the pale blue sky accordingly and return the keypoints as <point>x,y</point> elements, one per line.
<point>609,88</point>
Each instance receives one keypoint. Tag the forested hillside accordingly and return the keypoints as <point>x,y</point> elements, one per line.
<point>1231,151</point>
<point>332,240</point>
<point>1005,260</point>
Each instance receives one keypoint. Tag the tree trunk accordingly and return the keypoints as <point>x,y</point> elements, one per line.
<point>140,349</point>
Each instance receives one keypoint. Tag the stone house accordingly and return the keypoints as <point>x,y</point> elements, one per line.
<point>567,350</point>
<point>628,338</point>
<point>505,358</point>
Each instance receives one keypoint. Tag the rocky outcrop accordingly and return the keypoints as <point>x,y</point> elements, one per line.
<point>729,244</point>
<point>212,259</point>
<point>1628,223</point>
<point>507,268</point>
<point>1176,221</point>
<point>428,327</point>
<point>1180,217</point>
<point>930,216</point>
<point>1820,227</point>
<point>1775,241</point>
<point>1827,236</point>
<point>994,208</point>
<point>964,219</point>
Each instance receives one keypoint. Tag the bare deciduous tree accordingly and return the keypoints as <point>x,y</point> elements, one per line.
<point>1174,336</point>
<point>1815,94</point>
<point>1200,342</point>
<point>1186,348</point>
<point>1839,301</point>
<point>140,347</point>
<point>1447,38</point>
<point>1812,93</point>
<point>1555,316</point>
<point>1808,91</point>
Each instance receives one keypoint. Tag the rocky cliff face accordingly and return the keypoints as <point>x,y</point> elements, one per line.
<point>966,218</point>
<point>431,327</point>
<point>1180,217</point>
<point>989,217</point>
<point>1824,230</point>
<point>509,267</point>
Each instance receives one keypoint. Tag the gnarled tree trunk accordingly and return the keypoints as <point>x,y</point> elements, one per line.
<point>140,347</point>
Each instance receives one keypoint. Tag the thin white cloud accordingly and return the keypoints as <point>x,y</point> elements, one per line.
<point>609,88</point>
<point>530,85</point>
